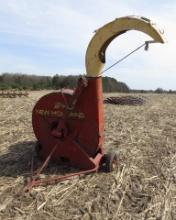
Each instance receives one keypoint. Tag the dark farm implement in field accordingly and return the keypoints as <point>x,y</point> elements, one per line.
<point>13,93</point>
<point>69,125</point>
<point>124,100</point>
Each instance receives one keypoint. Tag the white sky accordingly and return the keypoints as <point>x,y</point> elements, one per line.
<point>51,36</point>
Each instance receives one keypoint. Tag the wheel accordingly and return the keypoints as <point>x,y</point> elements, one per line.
<point>110,161</point>
<point>38,148</point>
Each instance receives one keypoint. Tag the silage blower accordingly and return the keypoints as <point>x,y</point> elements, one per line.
<point>69,124</point>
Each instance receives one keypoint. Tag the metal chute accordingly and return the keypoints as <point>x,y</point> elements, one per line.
<point>95,55</point>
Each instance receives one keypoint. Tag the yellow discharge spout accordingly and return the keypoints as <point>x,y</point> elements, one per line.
<point>95,55</point>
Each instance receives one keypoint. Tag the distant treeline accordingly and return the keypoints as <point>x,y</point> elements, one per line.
<point>158,91</point>
<point>35,82</point>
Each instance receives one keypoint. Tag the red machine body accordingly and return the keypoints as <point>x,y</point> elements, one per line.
<point>72,122</point>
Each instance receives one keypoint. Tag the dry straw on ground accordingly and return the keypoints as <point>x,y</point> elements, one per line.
<point>143,186</point>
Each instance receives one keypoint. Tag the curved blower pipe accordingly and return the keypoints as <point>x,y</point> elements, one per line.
<point>95,55</point>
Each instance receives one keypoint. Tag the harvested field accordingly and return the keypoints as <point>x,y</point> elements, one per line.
<point>143,186</point>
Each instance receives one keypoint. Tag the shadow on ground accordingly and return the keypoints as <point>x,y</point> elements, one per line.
<point>17,161</point>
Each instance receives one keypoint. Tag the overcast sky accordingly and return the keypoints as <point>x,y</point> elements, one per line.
<point>51,36</point>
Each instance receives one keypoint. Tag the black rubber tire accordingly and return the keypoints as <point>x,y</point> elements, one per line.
<point>111,161</point>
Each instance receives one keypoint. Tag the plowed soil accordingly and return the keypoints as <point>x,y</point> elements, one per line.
<point>142,187</point>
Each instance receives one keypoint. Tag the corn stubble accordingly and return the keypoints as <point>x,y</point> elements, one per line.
<point>142,187</point>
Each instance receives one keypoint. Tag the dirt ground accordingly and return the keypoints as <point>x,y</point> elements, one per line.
<point>142,187</point>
